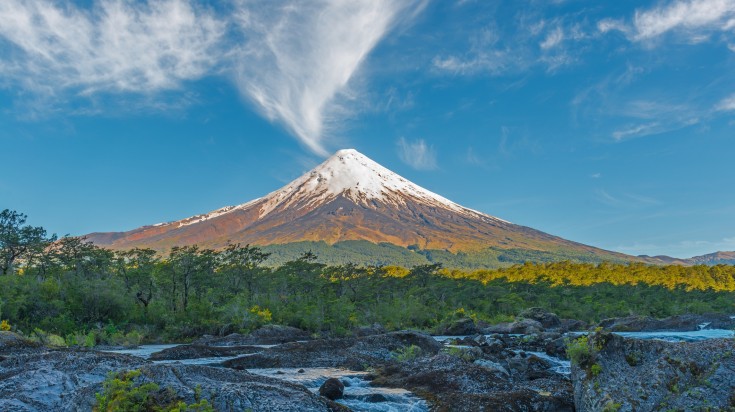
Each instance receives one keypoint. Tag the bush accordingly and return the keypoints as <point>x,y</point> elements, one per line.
<point>5,325</point>
<point>407,353</point>
<point>123,392</point>
<point>579,352</point>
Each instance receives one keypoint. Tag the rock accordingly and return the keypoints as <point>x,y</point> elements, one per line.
<point>452,384</point>
<point>523,326</point>
<point>202,351</point>
<point>374,329</point>
<point>679,323</point>
<point>349,353</point>
<point>267,335</point>
<point>47,381</point>
<point>460,327</point>
<point>67,380</point>
<point>573,325</point>
<point>492,366</point>
<point>547,320</point>
<point>529,367</point>
<point>332,389</point>
<point>12,343</point>
<point>526,327</point>
<point>557,348</point>
<point>648,375</point>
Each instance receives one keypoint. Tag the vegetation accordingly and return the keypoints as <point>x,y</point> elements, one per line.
<point>407,353</point>
<point>123,391</point>
<point>87,295</point>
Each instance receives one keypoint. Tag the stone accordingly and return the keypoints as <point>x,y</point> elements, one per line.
<point>332,389</point>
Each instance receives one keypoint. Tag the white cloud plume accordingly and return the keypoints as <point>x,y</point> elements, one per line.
<point>300,57</point>
<point>417,154</point>
<point>117,46</point>
<point>292,59</point>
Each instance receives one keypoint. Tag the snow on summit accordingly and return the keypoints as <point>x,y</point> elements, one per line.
<point>350,174</point>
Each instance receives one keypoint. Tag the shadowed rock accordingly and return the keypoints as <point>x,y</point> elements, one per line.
<point>649,375</point>
<point>267,335</point>
<point>350,353</point>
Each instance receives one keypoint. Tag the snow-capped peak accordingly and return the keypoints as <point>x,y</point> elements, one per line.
<point>351,174</point>
<point>346,173</point>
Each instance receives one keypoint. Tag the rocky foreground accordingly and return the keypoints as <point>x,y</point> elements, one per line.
<point>490,370</point>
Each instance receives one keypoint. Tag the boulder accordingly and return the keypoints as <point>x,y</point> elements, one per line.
<point>230,390</point>
<point>646,375</point>
<point>67,380</point>
<point>267,335</point>
<point>49,380</point>
<point>557,348</point>
<point>459,327</point>
<point>374,329</point>
<point>452,384</point>
<point>332,389</point>
<point>349,353</point>
<point>678,323</point>
<point>573,325</point>
<point>547,320</point>
<point>12,343</point>
<point>202,351</point>
<point>523,327</point>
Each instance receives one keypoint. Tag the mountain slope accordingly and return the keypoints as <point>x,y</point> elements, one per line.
<point>349,197</point>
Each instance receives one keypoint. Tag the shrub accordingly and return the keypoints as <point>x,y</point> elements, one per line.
<point>122,392</point>
<point>595,369</point>
<point>579,351</point>
<point>407,353</point>
<point>5,325</point>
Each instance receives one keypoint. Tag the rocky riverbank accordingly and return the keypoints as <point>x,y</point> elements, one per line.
<point>494,369</point>
<point>618,374</point>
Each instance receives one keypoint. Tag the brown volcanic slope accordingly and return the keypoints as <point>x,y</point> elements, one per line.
<point>348,197</point>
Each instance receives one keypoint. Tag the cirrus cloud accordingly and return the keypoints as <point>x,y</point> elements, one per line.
<point>293,60</point>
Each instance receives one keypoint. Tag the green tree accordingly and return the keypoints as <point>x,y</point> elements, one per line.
<point>19,241</point>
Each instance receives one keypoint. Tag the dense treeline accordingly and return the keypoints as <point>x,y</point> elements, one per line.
<point>81,292</point>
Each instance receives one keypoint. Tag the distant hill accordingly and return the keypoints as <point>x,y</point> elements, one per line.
<point>711,259</point>
<point>352,209</point>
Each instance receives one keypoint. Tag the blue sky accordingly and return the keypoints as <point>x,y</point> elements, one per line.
<point>607,123</point>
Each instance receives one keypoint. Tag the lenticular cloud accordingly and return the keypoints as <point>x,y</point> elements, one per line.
<point>292,59</point>
<point>300,56</point>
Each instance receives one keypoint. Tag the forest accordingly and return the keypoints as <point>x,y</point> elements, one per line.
<point>76,293</point>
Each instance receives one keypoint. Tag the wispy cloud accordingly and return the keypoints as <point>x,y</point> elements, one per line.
<point>293,60</point>
<point>118,46</point>
<point>300,57</point>
<point>694,19</point>
<point>417,154</point>
<point>624,200</point>
<point>726,104</point>
<point>637,131</point>
<point>526,42</point>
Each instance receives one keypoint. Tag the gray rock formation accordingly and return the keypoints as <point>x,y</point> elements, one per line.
<point>267,335</point>
<point>679,323</point>
<point>67,380</point>
<point>639,375</point>
<point>349,353</point>
<point>451,383</point>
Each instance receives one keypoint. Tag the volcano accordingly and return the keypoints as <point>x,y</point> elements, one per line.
<point>349,197</point>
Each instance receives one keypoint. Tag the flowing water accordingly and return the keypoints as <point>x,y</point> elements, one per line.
<point>361,396</point>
